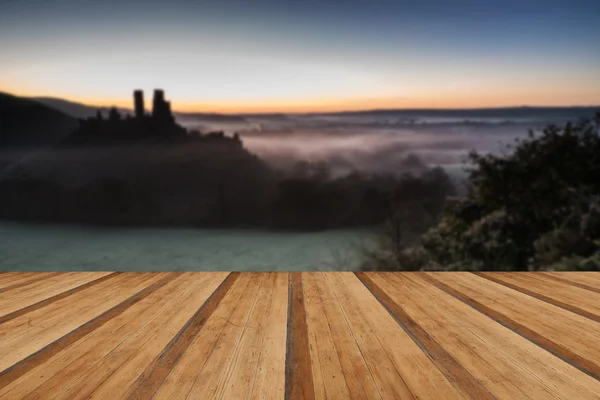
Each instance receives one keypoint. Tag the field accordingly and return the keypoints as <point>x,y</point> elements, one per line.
<point>60,248</point>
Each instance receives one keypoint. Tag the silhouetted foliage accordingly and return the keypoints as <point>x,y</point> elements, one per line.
<point>534,208</point>
<point>416,204</point>
<point>207,183</point>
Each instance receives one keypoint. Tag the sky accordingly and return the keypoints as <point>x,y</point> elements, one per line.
<point>304,55</point>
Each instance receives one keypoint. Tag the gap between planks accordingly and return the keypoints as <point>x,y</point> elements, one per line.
<point>448,365</point>
<point>588,367</point>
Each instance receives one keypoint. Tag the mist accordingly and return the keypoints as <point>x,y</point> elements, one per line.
<point>375,142</point>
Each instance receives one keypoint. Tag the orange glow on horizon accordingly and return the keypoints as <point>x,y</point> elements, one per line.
<point>338,105</point>
<point>443,101</point>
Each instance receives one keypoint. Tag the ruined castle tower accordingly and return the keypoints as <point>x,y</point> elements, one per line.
<point>161,109</point>
<point>158,104</point>
<point>138,99</point>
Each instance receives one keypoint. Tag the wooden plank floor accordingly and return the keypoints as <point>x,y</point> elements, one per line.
<point>313,335</point>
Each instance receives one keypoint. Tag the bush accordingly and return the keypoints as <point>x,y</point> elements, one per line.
<point>528,209</point>
<point>537,207</point>
<point>416,204</point>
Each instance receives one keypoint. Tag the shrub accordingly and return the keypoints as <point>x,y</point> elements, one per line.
<point>536,207</point>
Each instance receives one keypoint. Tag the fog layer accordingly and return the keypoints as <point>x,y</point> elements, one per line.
<point>384,142</point>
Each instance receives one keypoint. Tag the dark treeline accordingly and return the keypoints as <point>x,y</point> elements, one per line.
<point>203,184</point>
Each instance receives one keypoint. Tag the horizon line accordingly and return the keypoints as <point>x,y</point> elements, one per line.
<point>332,111</point>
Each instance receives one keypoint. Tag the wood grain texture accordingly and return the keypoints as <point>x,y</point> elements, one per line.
<point>245,364</point>
<point>357,371</point>
<point>40,356</point>
<point>8,278</point>
<point>269,380</point>
<point>150,380</point>
<point>19,282</point>
<point>25,335</point>
<point>186,372</point>
<point>216,372</point>
<point>50,300</point>
<point>327,371</point>
<point>563,278</point>
<point>450,367</point>
<point>587,279</point>
<point>51,285</point>
<point>119,369</point>
<point>398,366</point>
<point>65,367</point>
<point>574,299</point>
<point>533,319</point>
<point>319,335</point>
<point>509,365</point>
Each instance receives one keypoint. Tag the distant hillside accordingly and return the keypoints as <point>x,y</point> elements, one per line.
<point>25,122</point>
<point>211,117</point>
<point>497,112</point>
<point>79,110</point>
<point>74,109</point>
<point>271,116</point>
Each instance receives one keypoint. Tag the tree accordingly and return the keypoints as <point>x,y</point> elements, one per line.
<point>526,209</point>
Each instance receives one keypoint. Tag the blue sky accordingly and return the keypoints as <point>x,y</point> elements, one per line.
<point>277,55</point>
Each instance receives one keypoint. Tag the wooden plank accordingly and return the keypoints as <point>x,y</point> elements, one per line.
<point>210,341</point>
<point>366,347</point>
<point>150,379</point>
<point>359,379</point>
<point>41,352</point>
<point>243,366</point>
<point>298,376</point>
<point>269,380</point>
<point>57,312</point>
<point>60,315</point>
<point>18,329</point>
<point>43,303</point>
<point>74,360</point>
<point>142,335</point>
<point>20,280</point>
<point>547,326</point>
<point>7,278</point>
<point>51,283</point>
<point>40,284</point>
<point>506,363</point>
<point>574,299</point>
<point>120,368</point>
<point>215,373</point>
<point>328,376</point>
<point>381,340</point>
<point>22,297</point>
<point>25,335</point>
<point>588,278</point>
<point>565,277</point>
<point>450,367</point>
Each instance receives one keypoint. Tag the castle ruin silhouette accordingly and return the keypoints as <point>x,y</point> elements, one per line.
<point>158,126</point>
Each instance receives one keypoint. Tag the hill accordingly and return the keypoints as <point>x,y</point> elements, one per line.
<point>29,123</point>
<point>572,113</point>
<point>77,110</point>
<point>211,117</point>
